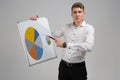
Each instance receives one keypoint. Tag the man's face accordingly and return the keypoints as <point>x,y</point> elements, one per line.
<point>77,14</point>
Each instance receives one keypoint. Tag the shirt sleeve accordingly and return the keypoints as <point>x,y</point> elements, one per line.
<point>58,33</point>
<point>85,46</point>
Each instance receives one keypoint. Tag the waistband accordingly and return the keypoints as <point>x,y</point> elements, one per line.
<point>73,64</point>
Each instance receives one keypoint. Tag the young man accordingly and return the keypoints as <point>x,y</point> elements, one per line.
<point>79,39</point>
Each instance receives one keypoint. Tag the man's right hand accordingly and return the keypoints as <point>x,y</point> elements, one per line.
<point>33,18</point>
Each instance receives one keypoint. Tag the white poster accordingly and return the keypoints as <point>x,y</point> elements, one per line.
<point>34,35</point>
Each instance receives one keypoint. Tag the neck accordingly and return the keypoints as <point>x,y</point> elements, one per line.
<point>77,23</point>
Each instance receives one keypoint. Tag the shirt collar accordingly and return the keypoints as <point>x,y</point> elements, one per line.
<point>82,25</point>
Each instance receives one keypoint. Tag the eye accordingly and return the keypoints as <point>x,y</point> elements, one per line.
<point>79,11</point>
<point>75,12</point>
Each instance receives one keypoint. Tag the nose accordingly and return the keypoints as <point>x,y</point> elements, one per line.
<point>77,14</point>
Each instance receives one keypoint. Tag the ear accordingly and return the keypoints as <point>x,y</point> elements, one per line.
<point>71,14</point>
<point>84,13</point>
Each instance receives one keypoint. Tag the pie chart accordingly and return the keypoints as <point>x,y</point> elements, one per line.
<point>48,40</point>
<point>33,43</point>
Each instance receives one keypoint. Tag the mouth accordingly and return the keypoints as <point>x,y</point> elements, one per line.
<point>77,18</point>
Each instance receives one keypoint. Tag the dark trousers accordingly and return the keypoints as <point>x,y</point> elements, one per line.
<point>74,71</point>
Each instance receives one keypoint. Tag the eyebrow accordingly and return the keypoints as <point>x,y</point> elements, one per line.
<point>77,11</point>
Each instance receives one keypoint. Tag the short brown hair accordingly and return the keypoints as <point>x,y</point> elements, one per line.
<point>77,5</point>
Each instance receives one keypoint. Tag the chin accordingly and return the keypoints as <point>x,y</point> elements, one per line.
<point>78,20</point>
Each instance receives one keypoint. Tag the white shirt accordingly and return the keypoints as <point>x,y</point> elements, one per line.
<point>79,40</point>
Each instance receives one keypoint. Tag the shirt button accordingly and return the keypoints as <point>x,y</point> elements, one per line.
<point>77,49</point>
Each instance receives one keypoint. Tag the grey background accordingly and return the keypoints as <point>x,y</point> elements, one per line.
<point>102,63</point>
